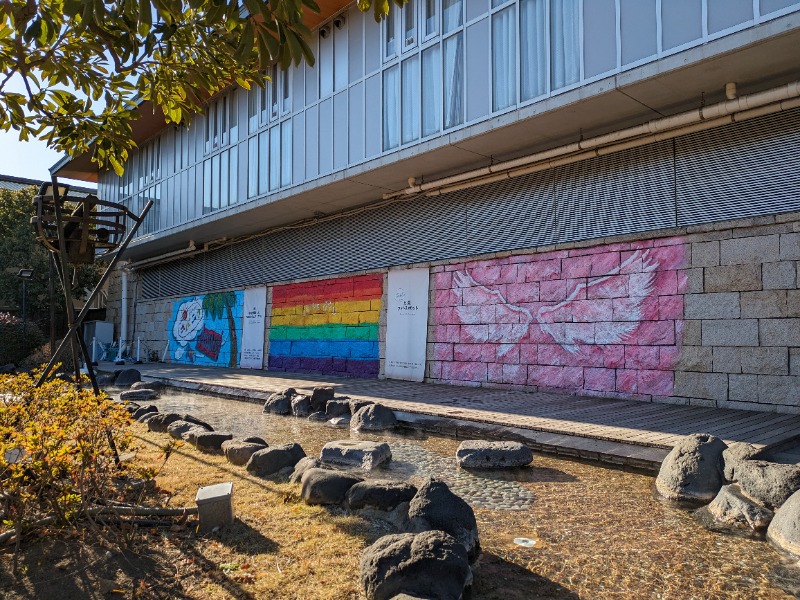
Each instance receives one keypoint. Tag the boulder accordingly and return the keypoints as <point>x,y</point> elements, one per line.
<point>320,396</point>
<point>356,404</point>
<point>238,452</point>
<point>309,462</point>
<point>190,435</point>
<point>143,410</point>
<point>156,386</point>
<point>373,417</point>
<point>692,471</point>
<point>733,455</point>
<point>210,440</point>
<point>342,422</point>
<point>323,486</point>
<point>478,454</point>
<point>318,416</point>
<point>430,564</point>
<point>769,483</point>
<point>733,508</point>
<point>145,418</point>
<point>254,439</point>
<point>380,494</point>
<point>301,405</point>
<point>127,377</point>
<point>160,421</point>
<point>434,506</point>
<point>137,395</point>
<point>784,530</point>
<point>356,453</point>
<point>176,429</point>
<point>197,421</point>
<point>269,461</point>
<point>337,408</point>
<point>131,407</point>
<point>280,403</point>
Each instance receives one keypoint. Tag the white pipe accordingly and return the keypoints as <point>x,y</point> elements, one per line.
<point>119,351</point>
<point>94,349</point>
<point>138,347</point>
<point>123,327</point>
<point>729,111</point>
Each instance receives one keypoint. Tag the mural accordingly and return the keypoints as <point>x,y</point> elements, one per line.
<point>328,327</point>
<point>205,330</point>
<point>598,320</point>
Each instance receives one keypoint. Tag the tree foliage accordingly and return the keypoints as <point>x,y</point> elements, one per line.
<point>20,249</point>
<point>74,71</point>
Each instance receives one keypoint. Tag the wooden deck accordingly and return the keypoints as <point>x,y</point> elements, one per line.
<point>631,423</point>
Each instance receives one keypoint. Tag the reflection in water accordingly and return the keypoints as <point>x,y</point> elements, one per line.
<point>598,532</point>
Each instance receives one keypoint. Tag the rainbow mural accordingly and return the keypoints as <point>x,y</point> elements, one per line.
<point>328,327</point>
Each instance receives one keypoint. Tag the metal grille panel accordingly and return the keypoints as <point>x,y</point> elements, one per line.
<point>739,170</point>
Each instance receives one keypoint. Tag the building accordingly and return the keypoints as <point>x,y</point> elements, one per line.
<point>593,196</point>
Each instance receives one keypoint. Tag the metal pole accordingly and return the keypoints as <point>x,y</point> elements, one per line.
<point>82,315</point>
<point>24,308</point>
<point>51,297</point>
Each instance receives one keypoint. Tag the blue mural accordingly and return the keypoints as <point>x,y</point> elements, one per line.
<point>207,329</point>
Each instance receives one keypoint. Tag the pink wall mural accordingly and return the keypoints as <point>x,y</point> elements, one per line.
<point>603,320</point>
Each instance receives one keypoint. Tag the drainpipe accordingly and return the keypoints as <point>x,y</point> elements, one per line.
<point>733,110</point>
<point>123,328</point>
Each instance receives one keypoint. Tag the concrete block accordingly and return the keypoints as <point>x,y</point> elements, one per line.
<point>779,332</point>
<point>712,386</point>
<point>765,360</point>
<point>790,246</point>
<point>727,359</point>
<point>730,332</point>
<point>743,388</point>
<point>215,506</point>
<point>723,305</point>
<point>793,303</point>
<point>766,304</point>
<point>794,361</point>
<point>749,250</point>
<point>694,281</point>
<point>692,333</point>
<point>705,254</point>
<point>734,278</point>
<point>702,402</point>
<point>779,275</point>
<point>774,389</point>
<point>695,358</point>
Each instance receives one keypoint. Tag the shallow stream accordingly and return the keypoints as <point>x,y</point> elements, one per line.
<point>588,531</point>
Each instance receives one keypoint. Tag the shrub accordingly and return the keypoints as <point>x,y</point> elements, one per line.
<point>18,339</point>
<point>55,458</point>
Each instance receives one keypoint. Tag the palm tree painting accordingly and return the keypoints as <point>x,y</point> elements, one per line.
<point>214,305</point>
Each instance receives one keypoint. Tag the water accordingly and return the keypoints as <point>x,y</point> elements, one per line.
<point>566,526</point>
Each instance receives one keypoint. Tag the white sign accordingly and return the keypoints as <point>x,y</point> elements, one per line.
<point>406,324</point>
<point>255,305</point>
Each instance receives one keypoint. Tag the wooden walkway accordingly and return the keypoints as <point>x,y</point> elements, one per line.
<point>630,423</point>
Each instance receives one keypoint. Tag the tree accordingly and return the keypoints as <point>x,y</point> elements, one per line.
<point>73,72</point>
<point>19,249</point>
<point>214,305</point>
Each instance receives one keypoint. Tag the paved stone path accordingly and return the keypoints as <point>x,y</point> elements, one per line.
<point>620,431</point>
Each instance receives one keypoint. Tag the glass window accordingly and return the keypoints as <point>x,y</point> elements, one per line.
<point>430,91</point>
<point>453,81</point>
<point>274,87</point>
<point>504,59</point>
<point>452,15</point>
<point>224,200</point>
<point>390,33</point>
<point>263,162</point>
<point>185,146</point>
<point>233,119</point>
<point>222,107</point>
<point>252,167</point>
<point>207,186</point>
<point>286,152</point>
<point>208,126</point>
<point>409,25</point>
<point>341,57</point>
<point>431,17</point>
<point>275,158</point>
<point>252,109</point>
<point>564,43</point>
<point>391,116</point>
<point>286,104</point>
<point>325,61</point>
<point>410,91</point>
<point>233,176</point>
<point>215,200</point>
<point>264,103</point>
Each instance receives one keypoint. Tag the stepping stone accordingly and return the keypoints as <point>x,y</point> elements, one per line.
<point>356,453</point>
<point>138,395</point>
<point>373,417</point>
<point>478,454</point>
